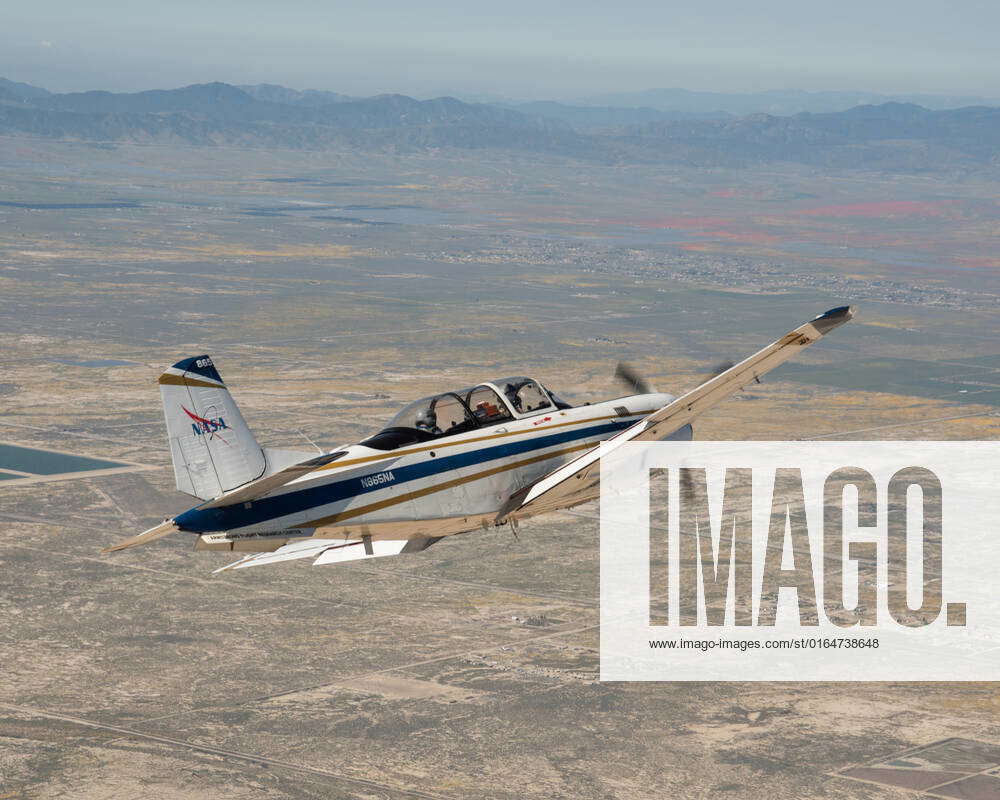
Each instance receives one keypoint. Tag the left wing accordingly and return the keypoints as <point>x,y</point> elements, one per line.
<point>578,481</point>
<point>332,551</point>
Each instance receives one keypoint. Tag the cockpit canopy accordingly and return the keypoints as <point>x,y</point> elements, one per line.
<point>452,413</point>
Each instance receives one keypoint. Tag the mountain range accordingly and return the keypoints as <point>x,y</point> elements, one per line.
<point>889,136</point>
<point>782,102</point>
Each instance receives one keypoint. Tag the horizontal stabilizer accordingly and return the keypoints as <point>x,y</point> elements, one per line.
<point>262,486</point>
<point>165,528</point>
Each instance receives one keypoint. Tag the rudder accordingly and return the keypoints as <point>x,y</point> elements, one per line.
<point>212,448</point>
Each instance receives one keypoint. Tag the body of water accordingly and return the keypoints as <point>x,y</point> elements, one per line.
<point>47,462</point>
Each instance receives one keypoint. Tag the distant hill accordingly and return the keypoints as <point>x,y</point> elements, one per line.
<point>14,92</point>
<point>273,93</point>
<point>217,99</point>
<point>222,101</point>
<point>219,113</point>
<point>778,102</point>
<point>590,117</point>
<point>889,136</point>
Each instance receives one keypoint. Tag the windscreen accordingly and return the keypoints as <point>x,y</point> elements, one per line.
<point>524,394</point>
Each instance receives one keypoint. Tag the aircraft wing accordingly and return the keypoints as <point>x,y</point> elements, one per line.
<point>578,481</point>
<point>332,551</point>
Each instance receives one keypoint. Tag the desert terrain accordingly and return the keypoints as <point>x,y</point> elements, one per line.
<point>331,289</point>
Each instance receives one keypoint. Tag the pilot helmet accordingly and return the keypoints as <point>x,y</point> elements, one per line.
<point>427,419</point>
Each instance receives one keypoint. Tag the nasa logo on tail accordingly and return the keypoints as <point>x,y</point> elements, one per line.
<point>201,425</point>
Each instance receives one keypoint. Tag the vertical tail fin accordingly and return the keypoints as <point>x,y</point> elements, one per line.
<point>211,446</point>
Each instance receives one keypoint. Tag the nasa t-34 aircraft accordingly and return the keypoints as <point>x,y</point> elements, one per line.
<point>459,461</point>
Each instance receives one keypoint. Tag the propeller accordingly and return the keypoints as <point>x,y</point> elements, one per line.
<point>627,375</point>
<point>718,369</point>
<point>639,385</point>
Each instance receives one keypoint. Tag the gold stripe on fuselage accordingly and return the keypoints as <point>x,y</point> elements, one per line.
<point>402,498</point>
<point>440,445</point>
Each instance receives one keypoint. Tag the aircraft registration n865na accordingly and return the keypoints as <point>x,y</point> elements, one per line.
<point>459,461</point>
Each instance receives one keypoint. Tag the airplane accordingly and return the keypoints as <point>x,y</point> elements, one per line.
<point>459,461</point>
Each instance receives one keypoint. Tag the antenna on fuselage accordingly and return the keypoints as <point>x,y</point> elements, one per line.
<point>302,434</point>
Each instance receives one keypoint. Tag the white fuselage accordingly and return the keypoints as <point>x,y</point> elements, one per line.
<point>440,487</point>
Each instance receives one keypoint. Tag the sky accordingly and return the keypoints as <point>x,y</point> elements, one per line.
<point>509,48</point>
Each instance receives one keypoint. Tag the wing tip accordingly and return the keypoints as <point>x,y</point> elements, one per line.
<point>165,528</point>
<point>228,567</point>
<point>834,318</point>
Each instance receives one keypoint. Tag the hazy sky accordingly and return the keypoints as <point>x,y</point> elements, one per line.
<point>507,47</point>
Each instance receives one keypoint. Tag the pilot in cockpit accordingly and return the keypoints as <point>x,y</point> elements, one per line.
<point>427,421</point>
<point>515,400</point>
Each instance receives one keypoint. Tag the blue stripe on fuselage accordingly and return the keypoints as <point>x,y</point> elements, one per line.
<point>237,516</point>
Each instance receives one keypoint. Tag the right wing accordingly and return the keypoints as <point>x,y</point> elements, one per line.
<point>578,481</point>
